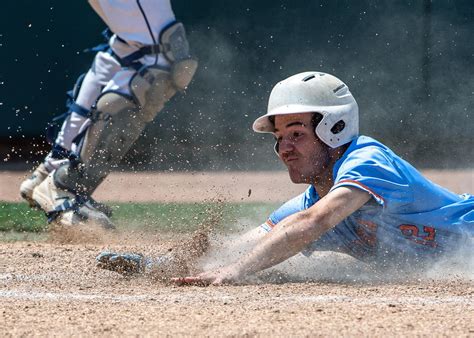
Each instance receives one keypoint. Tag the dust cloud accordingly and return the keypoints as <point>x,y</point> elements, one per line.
<point>337,267</point>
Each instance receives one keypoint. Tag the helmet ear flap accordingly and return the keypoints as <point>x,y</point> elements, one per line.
<point>338,127</point>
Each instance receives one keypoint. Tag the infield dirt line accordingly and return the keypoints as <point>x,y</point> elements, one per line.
<point>220,296</point>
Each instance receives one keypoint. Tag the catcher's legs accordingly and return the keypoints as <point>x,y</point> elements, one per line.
<point>81,98</point>
<point>113,127</point>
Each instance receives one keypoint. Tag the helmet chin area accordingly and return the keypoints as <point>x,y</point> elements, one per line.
<point>276,148</point>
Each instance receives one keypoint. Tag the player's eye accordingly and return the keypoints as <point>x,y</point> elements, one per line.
<point>296,134</point>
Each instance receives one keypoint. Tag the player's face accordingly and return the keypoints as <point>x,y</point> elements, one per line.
<point>303,153</point>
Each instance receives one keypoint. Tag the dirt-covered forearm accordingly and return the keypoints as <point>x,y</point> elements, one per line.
<point>289,238</point>
<point>297,231</point>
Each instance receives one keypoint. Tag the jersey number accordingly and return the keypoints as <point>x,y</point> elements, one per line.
<point>426,237</point>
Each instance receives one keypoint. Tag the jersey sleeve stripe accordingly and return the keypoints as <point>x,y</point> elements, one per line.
<point>268,225</point>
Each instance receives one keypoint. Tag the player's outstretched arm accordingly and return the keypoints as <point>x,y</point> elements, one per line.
<point>289,237</point>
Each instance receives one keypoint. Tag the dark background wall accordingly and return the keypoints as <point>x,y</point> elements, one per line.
<point>408,63</point>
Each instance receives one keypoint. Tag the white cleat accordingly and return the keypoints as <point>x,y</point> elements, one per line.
<point>67,209</point>
<point>29,184</point>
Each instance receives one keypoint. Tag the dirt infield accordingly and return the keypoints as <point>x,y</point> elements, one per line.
<point>54,289</point>
<point>50,289</point>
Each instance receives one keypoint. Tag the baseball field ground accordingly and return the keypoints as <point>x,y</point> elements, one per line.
<point>50,286</point>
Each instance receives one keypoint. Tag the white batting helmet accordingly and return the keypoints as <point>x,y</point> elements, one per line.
<point>319,93</point>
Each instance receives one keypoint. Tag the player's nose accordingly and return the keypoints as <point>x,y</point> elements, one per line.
<point>285,147</point>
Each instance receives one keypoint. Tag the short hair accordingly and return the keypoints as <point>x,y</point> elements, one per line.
<point>315,120</point>
<point>317,117</point>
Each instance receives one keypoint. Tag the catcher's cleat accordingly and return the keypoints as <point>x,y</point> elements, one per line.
<point>65,208</point>
<point>29,184</point>
<point>125,264</point>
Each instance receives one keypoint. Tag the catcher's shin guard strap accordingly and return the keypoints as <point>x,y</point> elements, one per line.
<point>59,152</point>
<point>75,205</point>
<point>67,205</point>
<point>78,109</point>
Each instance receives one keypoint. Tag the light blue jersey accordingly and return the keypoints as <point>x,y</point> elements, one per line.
<point>409,217</point>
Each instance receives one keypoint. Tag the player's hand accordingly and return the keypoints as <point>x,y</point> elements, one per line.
<point>225,275</point>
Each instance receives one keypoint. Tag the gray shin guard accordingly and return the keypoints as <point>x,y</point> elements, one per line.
<point>116,125</point>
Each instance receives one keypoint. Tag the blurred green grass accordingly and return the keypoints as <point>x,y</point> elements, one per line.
<point>168,217</point>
